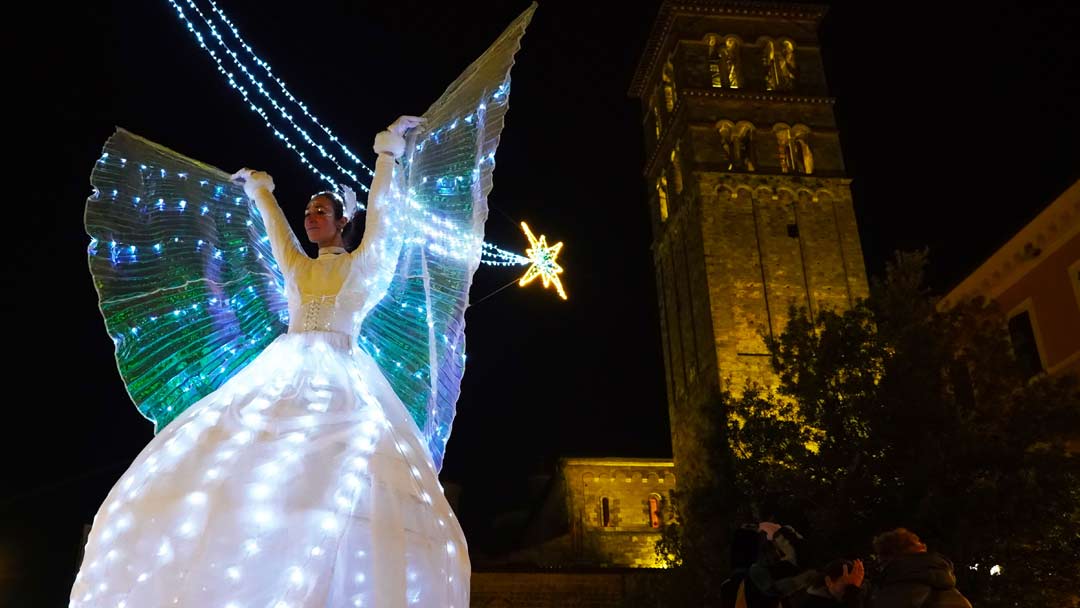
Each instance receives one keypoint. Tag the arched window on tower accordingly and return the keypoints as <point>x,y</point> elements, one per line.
<point>724,59</point>
<point>800,149</point>
<point>668,77</point>
<point>793,149</point>
<point>661,194</point>
<point>744,145</point>
<point>787,65</point>
<point>655,103</point>
<point>737,141</point>
<point>730,61</point>
<point>716,73</point>
<point>676,168</point>
<point>778,57</point>
<point>783,148</point>
<point>655,516</point>
<point>726,130</point>
<point>605,512</point>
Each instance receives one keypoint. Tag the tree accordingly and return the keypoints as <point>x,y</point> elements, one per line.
<point>895,413</point>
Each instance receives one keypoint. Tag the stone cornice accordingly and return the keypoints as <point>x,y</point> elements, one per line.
<point>672,9</point>
<point>772,181</point>
<point>757,96</point>
<point>620,462</point>
<point>1053,227</point>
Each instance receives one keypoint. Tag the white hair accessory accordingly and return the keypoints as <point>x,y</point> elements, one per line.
<point>349,203</point>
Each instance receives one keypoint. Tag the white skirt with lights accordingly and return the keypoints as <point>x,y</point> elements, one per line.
<point>301,483</point>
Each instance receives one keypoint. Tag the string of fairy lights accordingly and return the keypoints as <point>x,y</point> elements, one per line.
<point>540,257</point>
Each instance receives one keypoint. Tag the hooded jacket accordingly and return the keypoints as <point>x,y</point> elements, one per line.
<point>918,580</point>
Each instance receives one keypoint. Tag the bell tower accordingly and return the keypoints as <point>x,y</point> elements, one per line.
<point>750,205</point>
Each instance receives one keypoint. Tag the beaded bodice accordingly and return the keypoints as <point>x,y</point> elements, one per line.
<point>316,313</point>
<point>330,294</point>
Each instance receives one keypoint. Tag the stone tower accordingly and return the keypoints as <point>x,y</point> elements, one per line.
<point>751,209</point>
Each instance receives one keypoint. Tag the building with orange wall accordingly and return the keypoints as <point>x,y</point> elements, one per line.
<point>1035,281</point>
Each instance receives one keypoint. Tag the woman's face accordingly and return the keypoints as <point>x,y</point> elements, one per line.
<point>319,222</point>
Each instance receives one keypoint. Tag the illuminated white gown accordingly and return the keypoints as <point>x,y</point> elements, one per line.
<point>302,481</point>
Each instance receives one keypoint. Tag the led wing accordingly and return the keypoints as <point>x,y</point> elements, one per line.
<point>188,288</point>
<point>417,332</point>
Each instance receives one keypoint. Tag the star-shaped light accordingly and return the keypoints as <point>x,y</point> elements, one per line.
<point>543,262</point>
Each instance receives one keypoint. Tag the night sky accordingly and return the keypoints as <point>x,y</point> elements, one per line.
<point>958,127</point>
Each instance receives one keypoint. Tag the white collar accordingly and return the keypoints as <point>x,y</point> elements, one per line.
<point>331,251</point>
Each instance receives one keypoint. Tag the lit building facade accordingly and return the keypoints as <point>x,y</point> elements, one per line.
<point>1035,281</point>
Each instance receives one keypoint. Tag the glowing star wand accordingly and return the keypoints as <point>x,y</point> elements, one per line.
<point>543,262</point>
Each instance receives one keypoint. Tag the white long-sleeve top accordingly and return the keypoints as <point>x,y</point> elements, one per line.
<point>334,291</point>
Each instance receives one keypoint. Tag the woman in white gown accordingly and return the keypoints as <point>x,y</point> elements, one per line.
<point>302,481</point>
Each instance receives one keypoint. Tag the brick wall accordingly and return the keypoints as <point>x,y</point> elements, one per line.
<point>548,589</point>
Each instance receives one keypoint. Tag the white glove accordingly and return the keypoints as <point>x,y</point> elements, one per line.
<point>253,180</point>
<point>389,143</point>
<point>404,123</point>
